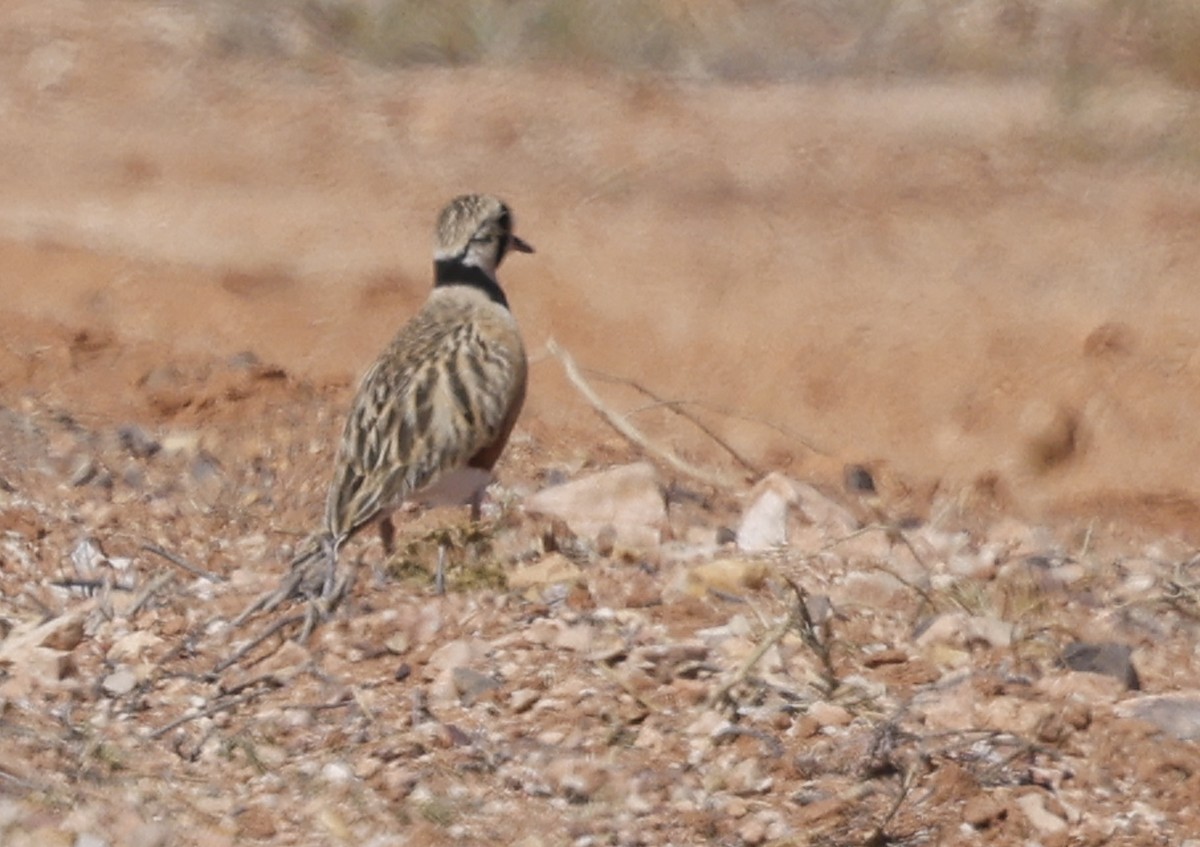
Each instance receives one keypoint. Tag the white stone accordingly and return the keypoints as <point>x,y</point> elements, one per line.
<point>119,682</point>
<point>1039,817</point>
<point>764,524</point>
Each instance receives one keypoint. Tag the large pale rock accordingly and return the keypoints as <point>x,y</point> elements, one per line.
<point>820,510</point>
<point>1046,822</point>
<point>38,654</point>
<point>546,571</point>
<point>1176,714</point>
<point>629,499</point>
<point>764,524</point>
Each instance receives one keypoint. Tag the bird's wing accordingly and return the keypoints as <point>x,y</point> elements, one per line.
<point>437,397</point>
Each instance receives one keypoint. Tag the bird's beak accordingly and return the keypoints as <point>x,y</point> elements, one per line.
<point>519,245</point>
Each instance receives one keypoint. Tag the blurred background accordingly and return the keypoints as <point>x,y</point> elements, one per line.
<point>955,241</point>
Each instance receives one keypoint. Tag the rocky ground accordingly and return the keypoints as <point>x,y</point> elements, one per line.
<point>624,656</point>
<point>905,553</point>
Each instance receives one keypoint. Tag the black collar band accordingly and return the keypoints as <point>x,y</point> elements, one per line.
<point>454,272</point>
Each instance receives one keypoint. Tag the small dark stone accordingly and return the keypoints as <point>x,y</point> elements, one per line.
<point>859,479</point>
<point>725,535</point>
<point>134,439</point>
<point>85,471</point>
<point>134,477</point>
<point>205,467</point>
<point>246,360</point>
<point>1105,657</point>
<point>403,672</point>
<point>471,684</point>
<point>677,493</point>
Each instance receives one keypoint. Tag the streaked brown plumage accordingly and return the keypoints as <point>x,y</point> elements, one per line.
<point>441,399</point>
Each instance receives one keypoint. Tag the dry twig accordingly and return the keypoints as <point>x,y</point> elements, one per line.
<point>773,637</point>
<point>677,406</point>
<point>245,649</point>
<point>155,585</point>
<point>879,836</point>
<point>92,586</point>
<point>214,709</point>
<point>181,563</point>
<point>815,636</point>
<point>629,431</point>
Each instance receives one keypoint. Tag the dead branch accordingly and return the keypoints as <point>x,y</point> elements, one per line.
<point>13,779</point>
<point>773,638</point>
<point>92,586</point>
<point>879,836</point>
<point>678,407</point>
<point>204,713</point>
<point>814,636</point>
<point>262,681</point>
<point>288,588</point>
<point>143,597</point>
<point>181,563</point>
<point>895,532</point>
<point>630,432</point>
<point>723,411</point>
<point>245,649</point>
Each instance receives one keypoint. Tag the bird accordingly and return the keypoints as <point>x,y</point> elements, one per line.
<point>433,414</point>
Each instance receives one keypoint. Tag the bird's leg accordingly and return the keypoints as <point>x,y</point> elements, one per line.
<point>439,578</point>
<point>476,502</point>
<point>387,535</point>
<point>476,534</point>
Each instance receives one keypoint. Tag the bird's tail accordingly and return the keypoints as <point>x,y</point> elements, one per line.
<point>312,576</point>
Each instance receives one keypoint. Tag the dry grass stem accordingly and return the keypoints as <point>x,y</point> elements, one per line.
<point>630,432</point>
<point>879,836</point>
<point>208,712</point>
<point>181,563</point>
<point>722,694</point>
<point>817,637</point>
<point>155,585</point>
<point>679,408</point>
<point>249,646</point>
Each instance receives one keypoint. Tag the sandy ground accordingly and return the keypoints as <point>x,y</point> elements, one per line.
<point>984,295</point>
